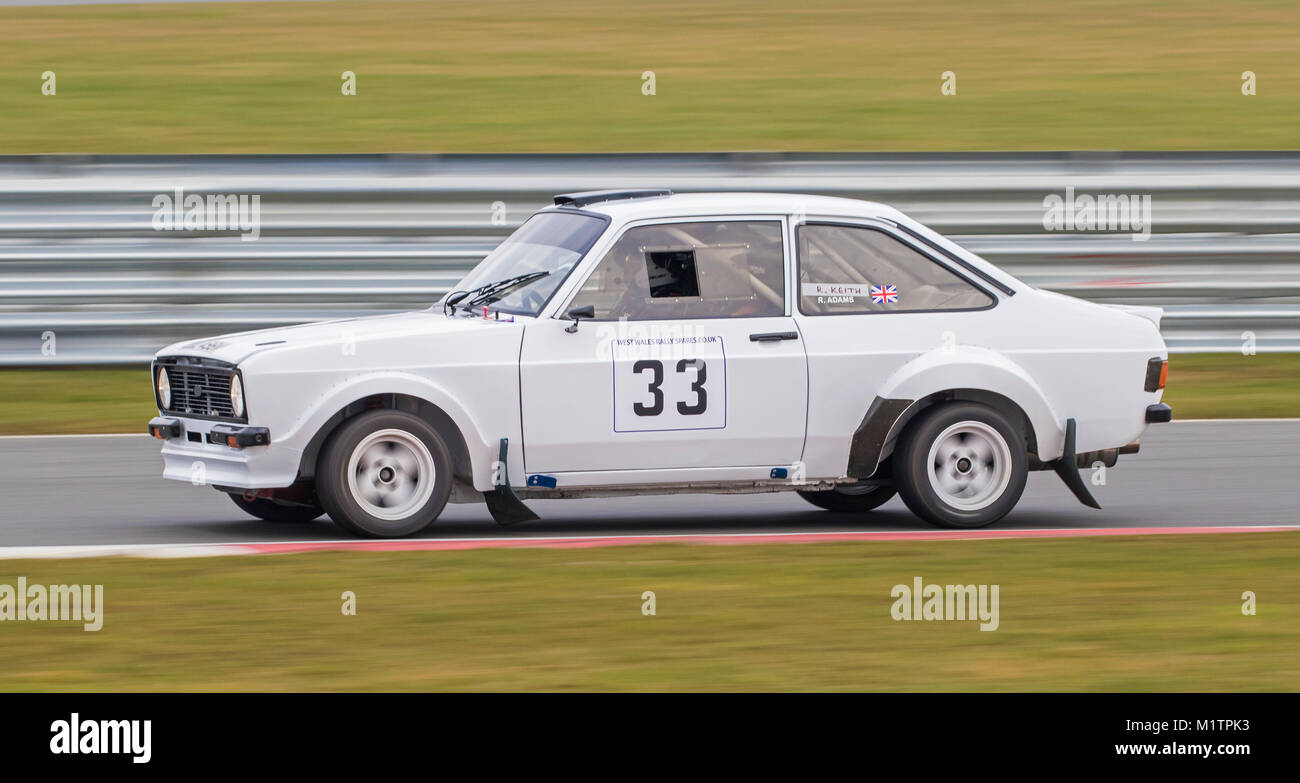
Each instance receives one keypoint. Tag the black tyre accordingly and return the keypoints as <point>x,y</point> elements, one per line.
<point>850,499</point>
<point>271,511</point>
<point>384,474</point>
<point>960,464</point>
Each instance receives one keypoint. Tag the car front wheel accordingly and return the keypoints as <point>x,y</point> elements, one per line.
<point>961,464</point>
<point>850,499</point>
<point>384,474</point>
<point>271,511</point>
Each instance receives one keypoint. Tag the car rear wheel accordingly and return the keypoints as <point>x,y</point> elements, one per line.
<point>384,474</point>
<point>961,464</point>
<point>271,511</point>
<point>850,499</point>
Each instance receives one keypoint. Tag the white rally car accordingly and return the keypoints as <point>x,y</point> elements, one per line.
<point>642,342</point>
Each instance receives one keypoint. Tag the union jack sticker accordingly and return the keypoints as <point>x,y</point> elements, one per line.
<point>884,294</point>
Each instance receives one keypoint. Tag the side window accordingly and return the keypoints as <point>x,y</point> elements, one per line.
<point>850,269</point>
<point>690,270</point>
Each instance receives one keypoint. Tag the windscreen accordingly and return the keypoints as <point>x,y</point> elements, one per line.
<point>551,242</point>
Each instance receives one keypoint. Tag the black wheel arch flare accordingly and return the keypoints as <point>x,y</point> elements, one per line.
<point>886,417</point>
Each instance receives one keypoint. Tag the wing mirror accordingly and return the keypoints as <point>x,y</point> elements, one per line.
<point>577,314</point>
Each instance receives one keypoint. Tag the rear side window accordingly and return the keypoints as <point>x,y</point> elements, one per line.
<point>707,269</point>
<point>853,269</point>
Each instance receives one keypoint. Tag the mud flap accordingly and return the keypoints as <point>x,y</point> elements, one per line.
<point>504,505</point>
<point>1067,468</point>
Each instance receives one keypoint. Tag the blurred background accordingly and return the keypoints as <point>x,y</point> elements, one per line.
<point>391,144</point>
<point>81,259</point>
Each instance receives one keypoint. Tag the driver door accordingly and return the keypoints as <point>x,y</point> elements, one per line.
<point>692,361</point>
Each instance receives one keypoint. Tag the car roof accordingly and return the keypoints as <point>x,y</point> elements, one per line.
<point>704,204</point>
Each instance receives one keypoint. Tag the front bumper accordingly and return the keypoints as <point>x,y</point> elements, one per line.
<point>163,428</point>
<point>238,437</point>
<point>235,436</point>
<point>234,455</point>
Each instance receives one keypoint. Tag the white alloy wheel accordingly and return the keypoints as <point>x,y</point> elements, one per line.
<point>391,474</point>
<point>970,465</point>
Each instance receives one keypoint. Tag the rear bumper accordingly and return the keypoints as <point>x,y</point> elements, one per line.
<point>1087,459</point>
<point>1159,413</point>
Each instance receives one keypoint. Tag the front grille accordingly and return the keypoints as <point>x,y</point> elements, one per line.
<point>200,391</point>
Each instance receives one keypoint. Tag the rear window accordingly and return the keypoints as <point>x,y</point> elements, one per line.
<point>854,269</point>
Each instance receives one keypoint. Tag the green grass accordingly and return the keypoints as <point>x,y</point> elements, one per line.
<point>1139,613</point>
<point>517,76</point>
<point>90,400</point>
<point>63,401</point>
<point>1232,386</point>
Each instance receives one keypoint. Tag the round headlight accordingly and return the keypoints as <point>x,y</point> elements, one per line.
<point>236,395</point>
<point>164,389</point>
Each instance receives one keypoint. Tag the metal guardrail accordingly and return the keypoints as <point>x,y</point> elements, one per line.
<point>347,235</point>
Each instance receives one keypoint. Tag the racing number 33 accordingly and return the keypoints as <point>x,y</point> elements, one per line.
<point>656,368</point>
<point>669,386</point>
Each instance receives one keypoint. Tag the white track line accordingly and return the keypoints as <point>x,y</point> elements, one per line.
<point>88,435</point>
<point>378,545</point>
<point>122,550</point>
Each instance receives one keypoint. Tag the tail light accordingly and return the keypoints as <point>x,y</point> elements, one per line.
<point>1157,374</point>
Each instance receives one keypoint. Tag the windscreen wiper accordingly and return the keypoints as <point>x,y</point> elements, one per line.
<point>486,294</point>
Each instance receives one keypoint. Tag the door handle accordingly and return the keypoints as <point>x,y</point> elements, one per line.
<point>771,337</point>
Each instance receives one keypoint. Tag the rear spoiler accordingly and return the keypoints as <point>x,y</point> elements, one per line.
<point>1152,314</point>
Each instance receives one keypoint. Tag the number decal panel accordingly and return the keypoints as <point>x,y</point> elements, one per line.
<point>670,383</point>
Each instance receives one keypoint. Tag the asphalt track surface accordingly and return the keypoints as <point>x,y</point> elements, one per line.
<point>80,490</point>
